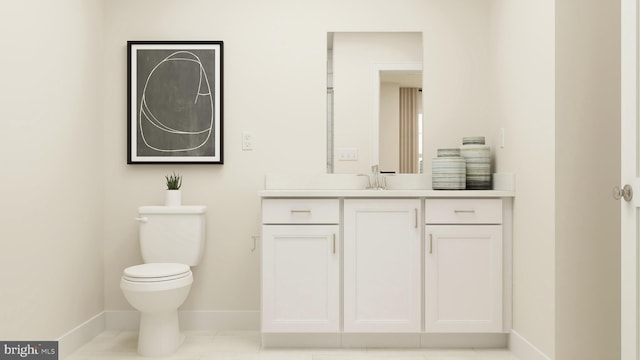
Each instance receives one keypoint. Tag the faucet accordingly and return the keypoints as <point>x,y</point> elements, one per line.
<point>375,177</point>
<point>376,180</point>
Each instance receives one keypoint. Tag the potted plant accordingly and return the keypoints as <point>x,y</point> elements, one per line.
<point>173,196</point>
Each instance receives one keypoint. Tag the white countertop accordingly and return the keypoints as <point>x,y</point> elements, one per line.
<point>353,186</point>
<point>337,193</point>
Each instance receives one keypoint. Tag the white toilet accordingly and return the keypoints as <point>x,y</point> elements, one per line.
<point>171,241</point>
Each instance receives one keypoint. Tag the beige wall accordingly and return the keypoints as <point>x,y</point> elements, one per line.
<point>587,167</point>
<point>556,65</point>
<point>523,67</point>
<point>457,78</point>
<point>52,171</point>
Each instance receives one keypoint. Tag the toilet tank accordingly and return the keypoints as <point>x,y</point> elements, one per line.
<point>172,233</point>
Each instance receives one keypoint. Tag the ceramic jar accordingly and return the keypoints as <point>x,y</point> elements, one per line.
<point>448,170</point>
<point>478,163</point>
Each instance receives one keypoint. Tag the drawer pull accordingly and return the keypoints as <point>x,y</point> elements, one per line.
<point>334,243</point>
<point>300,211</point>
<point>416,222</point>
<point>430,244</point>
<point>464,211</point>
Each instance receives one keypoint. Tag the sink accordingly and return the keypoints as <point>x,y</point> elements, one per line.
<point>315,182</point>
<point>408,182</point>
<point>344,182</point>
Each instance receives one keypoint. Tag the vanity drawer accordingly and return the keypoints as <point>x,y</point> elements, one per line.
<point>463,211</point>
<point>300,211</point>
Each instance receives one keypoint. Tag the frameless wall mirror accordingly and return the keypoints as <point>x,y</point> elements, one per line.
<point>374,100</point>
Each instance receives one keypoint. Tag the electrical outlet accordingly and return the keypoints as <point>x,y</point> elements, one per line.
<point>347,154</point>
<point>247,141</point>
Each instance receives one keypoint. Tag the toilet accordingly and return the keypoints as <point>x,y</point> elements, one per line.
<point>171,241</point>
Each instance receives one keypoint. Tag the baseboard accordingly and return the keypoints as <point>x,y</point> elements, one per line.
<point>80,335</point>
<point>465,341</point>
<point>384,340</point>
<point>301,340</point>
<point>523,349</point>
<point>380,340</point>
<point>191,320</point>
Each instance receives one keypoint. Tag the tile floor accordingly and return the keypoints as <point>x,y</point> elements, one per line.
<point>238,345</point>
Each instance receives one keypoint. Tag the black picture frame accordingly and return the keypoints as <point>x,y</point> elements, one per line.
<point>175,102</point>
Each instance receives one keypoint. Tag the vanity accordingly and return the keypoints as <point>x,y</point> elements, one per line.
<point>392,268</point>
<point>348,264</point>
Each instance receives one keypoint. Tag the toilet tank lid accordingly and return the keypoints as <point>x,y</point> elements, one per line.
<point>189,209</point>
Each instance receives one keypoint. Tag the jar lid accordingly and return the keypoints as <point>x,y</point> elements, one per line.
<point>473,140</point>
<point>448,152</point>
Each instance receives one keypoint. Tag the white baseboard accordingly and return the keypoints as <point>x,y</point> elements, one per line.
<point>465,341</point>
<point>301,340</point>
<point>523,349</point>
<point>385,340</point>
<point>191,320</point>
<point>381,340</point>
<point>80,335</point>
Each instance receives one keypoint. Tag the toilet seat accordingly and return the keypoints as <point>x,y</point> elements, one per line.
<point>156,272</point>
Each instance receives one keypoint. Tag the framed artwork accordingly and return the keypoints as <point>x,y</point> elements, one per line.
<point>174,91</point>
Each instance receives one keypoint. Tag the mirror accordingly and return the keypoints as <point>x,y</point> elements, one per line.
<point>371,76</point>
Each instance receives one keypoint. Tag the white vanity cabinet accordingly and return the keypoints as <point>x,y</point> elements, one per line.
<point>382,265</point>
<point>300,266</point>
<point>463,266</point>
<point>392,268</point>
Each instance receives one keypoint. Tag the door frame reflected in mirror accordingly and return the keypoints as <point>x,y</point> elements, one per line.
<point>377,69</point>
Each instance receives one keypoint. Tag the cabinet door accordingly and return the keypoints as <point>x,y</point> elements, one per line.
<point>463,274</point>
<point>382,265</point>
<point>300,278</point>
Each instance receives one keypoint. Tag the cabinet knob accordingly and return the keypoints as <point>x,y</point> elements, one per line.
<point>625,193</point>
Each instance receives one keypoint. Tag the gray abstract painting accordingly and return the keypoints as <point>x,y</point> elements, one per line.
<point>177,103</point>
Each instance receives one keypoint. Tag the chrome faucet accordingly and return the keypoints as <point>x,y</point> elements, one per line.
<point>375,177</point>
<point>377,180</point>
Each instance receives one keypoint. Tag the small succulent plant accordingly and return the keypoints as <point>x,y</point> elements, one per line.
<point>174,181</point>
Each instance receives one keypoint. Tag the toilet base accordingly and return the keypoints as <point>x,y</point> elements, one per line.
<point>159,334</point>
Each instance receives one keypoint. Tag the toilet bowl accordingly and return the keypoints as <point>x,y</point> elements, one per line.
<point>171,242</point>
<point>157,290</point>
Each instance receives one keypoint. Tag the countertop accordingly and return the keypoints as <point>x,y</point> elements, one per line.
<point>417,193</point>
